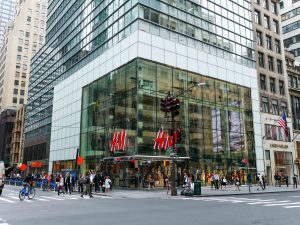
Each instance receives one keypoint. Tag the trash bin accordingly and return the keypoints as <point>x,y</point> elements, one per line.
<point>197,187</point>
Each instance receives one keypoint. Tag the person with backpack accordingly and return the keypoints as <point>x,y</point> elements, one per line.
<point>87,186</point>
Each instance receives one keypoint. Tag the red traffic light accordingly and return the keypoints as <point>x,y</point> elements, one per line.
<point>175,106</point>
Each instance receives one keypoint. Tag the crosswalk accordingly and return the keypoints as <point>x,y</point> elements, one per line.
<point>3,222</point>
<point>13,199</point>
<point>287,204</point>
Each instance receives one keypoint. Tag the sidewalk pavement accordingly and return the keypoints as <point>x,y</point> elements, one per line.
<point>205,192</point>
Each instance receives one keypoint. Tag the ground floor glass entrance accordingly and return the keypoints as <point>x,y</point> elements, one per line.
<point>216,119</point>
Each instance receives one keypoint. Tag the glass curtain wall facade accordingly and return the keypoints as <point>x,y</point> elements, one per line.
<point>80,31</point>
<point>7,13</point>
<point>216,119</point>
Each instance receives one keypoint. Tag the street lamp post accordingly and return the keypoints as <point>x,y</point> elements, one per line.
<point>172,104</point>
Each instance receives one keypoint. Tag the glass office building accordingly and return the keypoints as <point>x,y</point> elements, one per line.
<point>7,13</point>
<point>216,119</point>
<point>85,34</point>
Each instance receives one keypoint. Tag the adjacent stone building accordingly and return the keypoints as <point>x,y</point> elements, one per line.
<point>272,81</point>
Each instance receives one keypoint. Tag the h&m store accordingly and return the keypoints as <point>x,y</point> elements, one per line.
<point>121,117</point>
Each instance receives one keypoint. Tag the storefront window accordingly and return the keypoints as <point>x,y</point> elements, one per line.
<point>214,118</point>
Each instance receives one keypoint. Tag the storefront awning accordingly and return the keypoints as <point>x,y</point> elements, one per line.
<point>143,157</point>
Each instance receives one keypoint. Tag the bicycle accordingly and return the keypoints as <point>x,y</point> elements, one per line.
<point>28,191</point>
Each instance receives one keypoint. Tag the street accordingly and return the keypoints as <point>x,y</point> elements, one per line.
<point>48,208</point>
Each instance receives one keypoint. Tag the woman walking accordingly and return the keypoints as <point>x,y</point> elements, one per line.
<point>107,184</point>
<point>60,185</point>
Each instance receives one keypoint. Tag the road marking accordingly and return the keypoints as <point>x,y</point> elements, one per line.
<point>3,222</point>
<point>292,206</point>
<point>11,191</point>
<point>287,203</point>
<point>58,199</point>
<point>6,200</point>
<point>13,197</point>
<point>40,199</point>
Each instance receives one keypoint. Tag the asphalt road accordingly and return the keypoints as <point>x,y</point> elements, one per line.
<point>47,208</point>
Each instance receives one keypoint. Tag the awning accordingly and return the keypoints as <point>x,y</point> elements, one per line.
<point>36,165</point>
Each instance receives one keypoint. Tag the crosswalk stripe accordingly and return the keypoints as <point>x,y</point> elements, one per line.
<point>13,197</point>
<point>4,224</point>
<point>6,200</point>
<point>287,203</point>
<point>292,206</point>
<point>58,199</point>
<point>42,200</point>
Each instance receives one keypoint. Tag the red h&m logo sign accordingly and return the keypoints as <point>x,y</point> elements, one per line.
<point>160,142</point>
<point>118,141</point>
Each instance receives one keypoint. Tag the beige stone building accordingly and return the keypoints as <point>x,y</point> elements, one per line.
<point>272,77</point>
<point>293,72</point>
<point>23,37</point>
<point>17,144</point>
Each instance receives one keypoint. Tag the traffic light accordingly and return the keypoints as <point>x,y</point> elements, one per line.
<point>165,104</point>
<point>175,106</point>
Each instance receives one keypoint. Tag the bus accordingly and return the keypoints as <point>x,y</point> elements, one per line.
<point>2,170</point>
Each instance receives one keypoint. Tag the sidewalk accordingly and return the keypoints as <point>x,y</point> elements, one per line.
<point>205,192</point>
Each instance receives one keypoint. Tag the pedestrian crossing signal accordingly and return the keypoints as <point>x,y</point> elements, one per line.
<point>166,163</point>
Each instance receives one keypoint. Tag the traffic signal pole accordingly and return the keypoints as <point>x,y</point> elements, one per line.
<point>173,188</point>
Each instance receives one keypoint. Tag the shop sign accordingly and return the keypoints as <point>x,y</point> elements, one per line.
<point>163,142</point>
<point>118,141</point>
<point>278,146</point>
<point>36,164</point>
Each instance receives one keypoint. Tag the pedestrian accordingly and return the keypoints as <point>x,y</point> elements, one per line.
<point>237,183</point>
<point>1,185</point>
<point>107,185</point>
<point>87,186</point>
<point>92,176</point>
<point>96,182</point>
<point>81,184</point>
<point>150,182</point>
<point>68,184</point>
<point>264,182</point>
<point>216,181</point>
<point>249,181</point>
<point>295,181</point>
<point>259,181</point>
<point>212,182</point>
<point>223,183</point>
<point>167,180</point>
<point>60,185</point>
<point>286,178</point>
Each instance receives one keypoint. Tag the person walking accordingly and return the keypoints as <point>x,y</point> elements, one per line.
<point>286,179</point>
<point>96,182</point>
<point>68,184</point>
<point>107,184</point>
<point>295,181</point>
<point>87,186</point>
<point>223,183</point>
<point>263,181</point>
<point>216,181</point>
<point>212,182</point>
<point>167,180</point>
<point>60,185</point>
<point>1,186</point>
<point>237,183</point>
<point>259,181</point>
<point>81,184</point>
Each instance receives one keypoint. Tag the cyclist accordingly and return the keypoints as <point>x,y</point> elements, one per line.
<point>27,183</point>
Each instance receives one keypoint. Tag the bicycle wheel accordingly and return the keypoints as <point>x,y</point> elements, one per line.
<point>21,196</point>
<point>31,193</point>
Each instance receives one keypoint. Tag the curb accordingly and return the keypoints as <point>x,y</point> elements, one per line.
<point>251,193</point>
